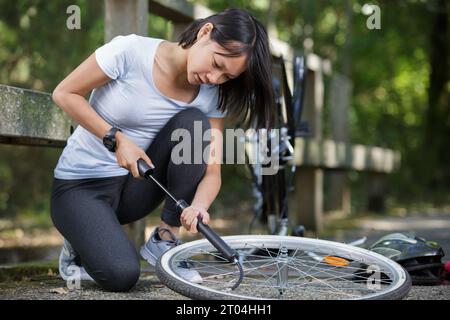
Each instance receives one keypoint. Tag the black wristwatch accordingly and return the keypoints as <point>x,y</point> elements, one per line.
<point>109,140</point>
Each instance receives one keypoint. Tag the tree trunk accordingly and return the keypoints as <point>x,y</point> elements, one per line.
<point>437,117</point>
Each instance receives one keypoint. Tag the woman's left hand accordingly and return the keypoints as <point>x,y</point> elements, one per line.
<point>189,218</point>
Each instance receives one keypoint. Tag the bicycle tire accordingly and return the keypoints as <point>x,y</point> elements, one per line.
<point>169,277</point>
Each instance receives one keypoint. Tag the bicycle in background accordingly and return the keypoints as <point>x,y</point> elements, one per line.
<point>271,214</point>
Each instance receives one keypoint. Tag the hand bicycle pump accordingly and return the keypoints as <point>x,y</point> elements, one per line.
<point>229,253</point>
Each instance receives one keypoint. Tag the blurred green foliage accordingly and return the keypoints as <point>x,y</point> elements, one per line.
<point>390,68</point>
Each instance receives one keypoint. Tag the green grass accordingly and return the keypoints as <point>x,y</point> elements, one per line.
<point>25,271</point>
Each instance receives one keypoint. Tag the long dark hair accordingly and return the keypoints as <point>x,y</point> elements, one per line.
<point>249,98</point>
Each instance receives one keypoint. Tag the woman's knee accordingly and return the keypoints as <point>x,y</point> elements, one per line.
<point>119,277</point>
<point>189,116</point>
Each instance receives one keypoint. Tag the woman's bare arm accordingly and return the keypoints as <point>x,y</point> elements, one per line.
<point>209,186</point>
<point>69,95</point>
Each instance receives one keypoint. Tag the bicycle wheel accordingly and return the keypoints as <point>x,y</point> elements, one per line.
<point>284,268</point>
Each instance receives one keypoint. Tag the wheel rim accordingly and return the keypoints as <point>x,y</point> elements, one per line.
<point>287,268</point>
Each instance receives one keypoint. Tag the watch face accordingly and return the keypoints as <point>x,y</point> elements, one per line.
<point>109,144</point>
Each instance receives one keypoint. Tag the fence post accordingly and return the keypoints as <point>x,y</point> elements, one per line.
<point>376,189</point>
<point>122,18</point>
<point>308,202</point>
<point>338,191</point>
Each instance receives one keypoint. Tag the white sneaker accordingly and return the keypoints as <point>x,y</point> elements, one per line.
<point>67,264</point>
<point>155,247</point>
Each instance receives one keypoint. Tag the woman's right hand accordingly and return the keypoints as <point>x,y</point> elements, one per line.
<point>128,153</point>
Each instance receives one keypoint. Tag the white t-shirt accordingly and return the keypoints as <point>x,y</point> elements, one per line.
<point>130,102</point>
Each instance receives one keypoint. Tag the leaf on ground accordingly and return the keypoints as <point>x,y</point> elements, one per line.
<point>59,290</point>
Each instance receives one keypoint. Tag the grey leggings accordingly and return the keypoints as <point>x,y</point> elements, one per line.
<point>89,212</point>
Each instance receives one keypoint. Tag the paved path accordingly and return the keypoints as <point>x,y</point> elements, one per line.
<point>49,286</point>
<point>430,227</point>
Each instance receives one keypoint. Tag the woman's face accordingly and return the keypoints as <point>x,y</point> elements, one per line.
<point>205,64</point>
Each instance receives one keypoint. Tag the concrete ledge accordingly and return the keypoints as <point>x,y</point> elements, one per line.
<point>178,11</point>
<point>329,154</point>
<point>30,117</point>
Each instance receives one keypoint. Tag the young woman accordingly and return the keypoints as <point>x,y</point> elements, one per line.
<point>144,89</point>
